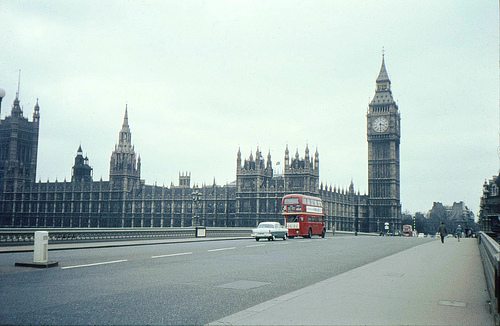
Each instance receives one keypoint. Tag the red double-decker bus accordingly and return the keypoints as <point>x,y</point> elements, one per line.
<point>304,215</point>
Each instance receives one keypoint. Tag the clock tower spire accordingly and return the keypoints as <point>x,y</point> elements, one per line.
<point>383,131</point>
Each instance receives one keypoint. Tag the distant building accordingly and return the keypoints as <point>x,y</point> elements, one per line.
<point>489,207</point>
<point>127,201</point>
<point>454,215</point>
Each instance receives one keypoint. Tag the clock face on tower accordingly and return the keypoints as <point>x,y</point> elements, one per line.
<point>380,124</point>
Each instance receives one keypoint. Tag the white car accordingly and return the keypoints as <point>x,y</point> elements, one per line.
<point>270,231</point>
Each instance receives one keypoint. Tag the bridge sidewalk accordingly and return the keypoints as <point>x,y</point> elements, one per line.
<point>431,284</point>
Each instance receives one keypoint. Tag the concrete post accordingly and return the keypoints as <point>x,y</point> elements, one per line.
<point>41,250</point>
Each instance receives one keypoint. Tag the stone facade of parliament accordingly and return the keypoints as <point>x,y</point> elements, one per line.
<point>126,201</point>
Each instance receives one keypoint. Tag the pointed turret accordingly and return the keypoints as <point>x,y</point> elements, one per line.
<point>125,118</point>
<point>351,187</point>
<point>382,75</point>
<point>16,110</point>
<point>125,167</point>
<point>383,94</point>
<point>287,157</point>
<point>238,161</point>
<point>82,172</point>
<point>36,112</point>
<point>316,159</point>
<point>16,107</point>
<point>125,135</point>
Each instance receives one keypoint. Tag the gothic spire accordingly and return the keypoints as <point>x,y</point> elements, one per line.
<point>18,84</point>
<point>125,166</point>
<point>382,75</point>
<point>125,119</point>
<point>125,135</point>
<point>383,94</point>
<point>36,112</point>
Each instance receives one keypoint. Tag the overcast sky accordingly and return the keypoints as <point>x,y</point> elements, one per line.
<point>204,78</point>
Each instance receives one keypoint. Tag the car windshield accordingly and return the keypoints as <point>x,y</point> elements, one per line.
<point>266,225</point>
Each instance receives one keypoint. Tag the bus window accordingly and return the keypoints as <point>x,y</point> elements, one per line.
<point>289,201</point>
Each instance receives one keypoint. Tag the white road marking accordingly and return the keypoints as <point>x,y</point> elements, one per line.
<point>172,255</point>
<point>221,249</point>
<point>259,245</point>
<point>96,264</point>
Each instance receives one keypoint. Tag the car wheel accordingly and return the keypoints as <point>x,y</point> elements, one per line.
<point>257,239</point>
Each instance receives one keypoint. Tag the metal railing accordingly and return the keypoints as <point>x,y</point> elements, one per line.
<point>25,236</point>
<point>489,250</point>
<point>56,235</point>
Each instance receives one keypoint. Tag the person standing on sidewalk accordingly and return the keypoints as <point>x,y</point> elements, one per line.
<point>442,231</point>
<point>458,232</point>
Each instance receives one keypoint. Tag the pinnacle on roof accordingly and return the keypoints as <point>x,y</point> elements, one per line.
<point>125,119</point>
<point>382,75</point>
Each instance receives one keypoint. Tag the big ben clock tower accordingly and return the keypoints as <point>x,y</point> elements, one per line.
<point>384,133</point>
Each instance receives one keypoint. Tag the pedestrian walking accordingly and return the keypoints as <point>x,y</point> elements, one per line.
<point>442,231</point>
<point>458,232</point>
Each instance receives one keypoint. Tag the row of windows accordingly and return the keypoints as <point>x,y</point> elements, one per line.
<point>109,221</point>
<point>312,202</point>
<point>76,206</point>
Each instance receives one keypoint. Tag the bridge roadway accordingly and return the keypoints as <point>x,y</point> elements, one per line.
<point>338,280</point>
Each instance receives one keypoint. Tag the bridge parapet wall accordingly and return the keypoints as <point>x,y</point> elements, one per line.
<point>57,235</point>
<point>490,250</point>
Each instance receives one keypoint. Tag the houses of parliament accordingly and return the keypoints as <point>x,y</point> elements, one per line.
<point>126,201</point>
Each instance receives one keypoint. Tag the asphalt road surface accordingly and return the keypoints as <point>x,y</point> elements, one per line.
<point>181,284</point>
